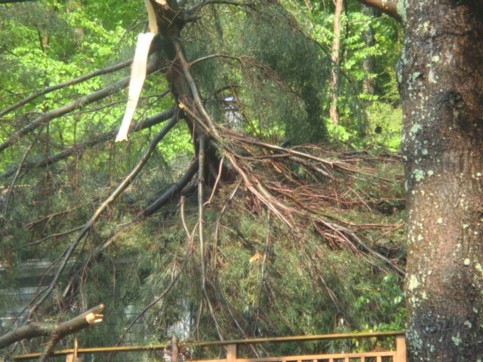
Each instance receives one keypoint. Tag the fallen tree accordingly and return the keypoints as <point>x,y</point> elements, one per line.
<point>237,186</point>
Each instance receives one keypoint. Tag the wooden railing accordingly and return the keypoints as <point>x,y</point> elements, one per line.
<point>397,353</point>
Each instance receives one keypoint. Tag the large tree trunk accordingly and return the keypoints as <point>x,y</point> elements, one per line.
<point>441,85</point>
<point>442,89</point>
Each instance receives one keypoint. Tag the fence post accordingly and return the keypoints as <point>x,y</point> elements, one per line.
<point>231,353</point>
<point>401,348</point>
<point>174,349</point>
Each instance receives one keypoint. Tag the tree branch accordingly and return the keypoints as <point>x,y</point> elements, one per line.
<point>68,83</point>
<point>170,191</point>
<point>61,330</point>
<point>388,7</point>
<point>146,123</point>
<point>86,319</point>
<point>201,181</point>
<point>67,108</point>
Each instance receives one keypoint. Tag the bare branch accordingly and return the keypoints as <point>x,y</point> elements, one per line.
<point>400,271</point>
<point>77,80</point>
<point>194,88</point>
<point>86,319</point>
<point>170,191</point>
<point>56,235</point>
<point>388,7</point>
<point>201,181</point>
<point>212,56</point>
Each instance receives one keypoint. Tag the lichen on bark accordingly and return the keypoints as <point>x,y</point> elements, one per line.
<point>441,86</point>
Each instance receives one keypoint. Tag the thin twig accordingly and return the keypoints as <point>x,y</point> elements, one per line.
<point>218,178</point>
<point>52,236</point>
<point>201,180</point>
<point>189,236</point>
<point>14,180</point>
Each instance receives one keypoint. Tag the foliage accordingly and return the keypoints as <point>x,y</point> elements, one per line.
<point>278,80</point>
<point>382,108</point>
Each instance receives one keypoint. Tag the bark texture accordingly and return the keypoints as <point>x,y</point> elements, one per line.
<point>441,84</point>
<point>389,7</point>
<point>171,19</point>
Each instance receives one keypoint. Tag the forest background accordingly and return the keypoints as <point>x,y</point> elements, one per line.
<point>284,216</point>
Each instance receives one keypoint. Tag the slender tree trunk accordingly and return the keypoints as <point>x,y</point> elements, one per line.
<point>442,93</point>
<point>308,4</point>
<point>369,63</point>
<point>335,57</point>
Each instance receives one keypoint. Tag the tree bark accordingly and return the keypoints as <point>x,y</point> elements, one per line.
<point>170,21</point>
<point>441,87</point>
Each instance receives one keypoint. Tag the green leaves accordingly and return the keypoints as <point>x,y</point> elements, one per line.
<point>364,36</point>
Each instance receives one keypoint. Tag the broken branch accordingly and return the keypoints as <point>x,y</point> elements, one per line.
<point>61,330</point>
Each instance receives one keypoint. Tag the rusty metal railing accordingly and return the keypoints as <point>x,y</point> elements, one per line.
<point>395,354</point>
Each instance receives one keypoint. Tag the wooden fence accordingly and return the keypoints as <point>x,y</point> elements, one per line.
<point>396,353</point>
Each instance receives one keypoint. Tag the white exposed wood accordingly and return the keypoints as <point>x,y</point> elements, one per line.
<point>153,24</point>
<point>138,75</point>
<point>163,3</point>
